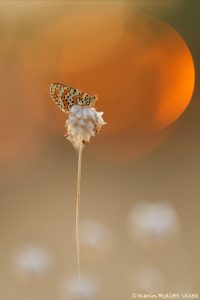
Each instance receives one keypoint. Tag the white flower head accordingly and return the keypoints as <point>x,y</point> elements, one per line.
<point>95,235</point>
<point>82,123</point>
<point>33,261</point>
<point>154,221</point>
<point>86,289</point>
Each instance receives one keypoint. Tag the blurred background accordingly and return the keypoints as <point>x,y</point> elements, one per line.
<point>140,179</point>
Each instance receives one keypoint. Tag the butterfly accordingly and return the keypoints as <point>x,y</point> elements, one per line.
<point>66,97</point>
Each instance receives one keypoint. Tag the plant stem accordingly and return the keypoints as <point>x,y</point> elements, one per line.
<point>80,151</point>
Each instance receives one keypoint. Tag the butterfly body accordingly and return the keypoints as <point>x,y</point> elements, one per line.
<point>66,97</point>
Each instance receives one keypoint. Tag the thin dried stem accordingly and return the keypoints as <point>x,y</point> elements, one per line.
<point>80,151</point>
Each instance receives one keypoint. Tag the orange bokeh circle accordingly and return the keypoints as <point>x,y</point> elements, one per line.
<point>146,83</point>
